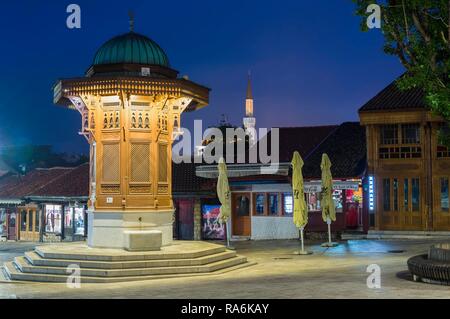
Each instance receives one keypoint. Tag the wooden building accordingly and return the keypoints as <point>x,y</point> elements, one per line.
<point>409,170</point>
<point>130,101</point>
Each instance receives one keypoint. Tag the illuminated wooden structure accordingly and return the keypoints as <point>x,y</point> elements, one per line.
<point>411,170</point>
<point>130,102</point>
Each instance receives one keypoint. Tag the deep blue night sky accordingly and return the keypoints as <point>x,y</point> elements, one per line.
<point>310,62</point>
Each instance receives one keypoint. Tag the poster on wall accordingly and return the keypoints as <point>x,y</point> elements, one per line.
<point>212,228</point>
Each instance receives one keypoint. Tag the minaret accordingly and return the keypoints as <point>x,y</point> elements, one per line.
<point>249,119</point>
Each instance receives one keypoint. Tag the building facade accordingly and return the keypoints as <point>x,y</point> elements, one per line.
<point>408,168</point>
<point>46,205</point>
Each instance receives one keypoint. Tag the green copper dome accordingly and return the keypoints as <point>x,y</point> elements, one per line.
<point>131,48</point>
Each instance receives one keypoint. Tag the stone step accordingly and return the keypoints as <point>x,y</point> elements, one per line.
<point>110,255</point>
<point>393,234</point>
<point>24,266</point>
<point>36,260</point>
<point>14,273</point>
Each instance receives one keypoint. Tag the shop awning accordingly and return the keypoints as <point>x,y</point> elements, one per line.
<point>241,170</point>
<point>316,187</point>
<point>10,201</point>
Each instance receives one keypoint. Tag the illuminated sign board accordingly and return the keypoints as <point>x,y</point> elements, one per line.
<point>371,193</point>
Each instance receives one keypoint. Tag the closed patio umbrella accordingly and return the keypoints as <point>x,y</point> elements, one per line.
<point>327,203</point>
<point>224,194</point>
<point>300,215</point>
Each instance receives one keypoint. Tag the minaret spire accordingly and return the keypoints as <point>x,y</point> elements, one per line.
<point>249,87</point>
<point>249,119</point>
<point>131,15</point>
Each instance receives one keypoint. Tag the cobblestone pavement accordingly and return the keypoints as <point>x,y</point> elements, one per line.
<point>338,272</point>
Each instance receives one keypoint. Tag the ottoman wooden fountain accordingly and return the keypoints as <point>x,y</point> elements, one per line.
<point>433,267</point>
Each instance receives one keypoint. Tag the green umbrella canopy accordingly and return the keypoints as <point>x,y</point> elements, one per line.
<point>328,209</point>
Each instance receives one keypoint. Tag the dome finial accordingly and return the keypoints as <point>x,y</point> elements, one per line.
<point>131,15</point>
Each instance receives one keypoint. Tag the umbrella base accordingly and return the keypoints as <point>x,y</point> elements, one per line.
<point>230,247</point>
<point>328,244</point>
<point>302,252</point>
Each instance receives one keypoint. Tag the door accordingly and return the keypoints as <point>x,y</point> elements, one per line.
<point>12,230</point>
<point>441,212</point>
<point>184,221</point>
<point>29,221</point>
<point>401,204</point>
<point>241,216</point>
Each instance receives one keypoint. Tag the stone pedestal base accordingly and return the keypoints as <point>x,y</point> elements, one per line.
<point>106,229</point>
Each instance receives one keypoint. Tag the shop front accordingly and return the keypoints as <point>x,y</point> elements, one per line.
<point>265,211</point>
<point>64,222</point>
<point>43,222</point>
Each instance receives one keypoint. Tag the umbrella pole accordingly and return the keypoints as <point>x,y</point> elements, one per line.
<point>329,243</point>
<point>329,230</point>
<point>301,237</point>
<point>302,244</point>
<point>229,234</point>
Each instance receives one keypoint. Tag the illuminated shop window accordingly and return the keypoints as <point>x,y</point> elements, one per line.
<point>288,204</point>
<point>313,202</point>
<point>53,218</point>
<point>273,204</point>
<point>260,203</point>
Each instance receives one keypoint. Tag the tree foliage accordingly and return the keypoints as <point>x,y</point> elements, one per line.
<point>418,33</point>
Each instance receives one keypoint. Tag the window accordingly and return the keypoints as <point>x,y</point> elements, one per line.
<point>313,202</point>
<point>79,221</point>
<point>23,220</point>
<point>392,148</point>
<point>415,194</point>
<point>386,194</point>
<point>406,195</point>
<point>338,201</point>
<point>444,194</point>
<point>2,221</point>
<point>260,204</point>
<point>400,152</point>
<point>243,206</point>
<point>37,221</point>
<point>389,134</point>
<point>443,151</point>
<point>288,204</point>
<point>273,204</point>
<point>395,195</point>
<point>410,134</point>
<point>53,218</point>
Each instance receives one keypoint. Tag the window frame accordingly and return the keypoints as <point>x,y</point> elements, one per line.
<point>264,201</point>
<point>402,149</point>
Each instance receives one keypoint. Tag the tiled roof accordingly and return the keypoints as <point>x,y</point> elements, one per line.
<point>392,98</point>
<point>301,139</point>
<point>74,183</point>
<point>184,179</point>
<point>18,186</point>
<point>346,148</point>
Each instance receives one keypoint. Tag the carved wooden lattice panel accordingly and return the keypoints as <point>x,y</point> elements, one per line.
<point>140,163</point>
<point>162,160</point>
<point>111,163</point>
